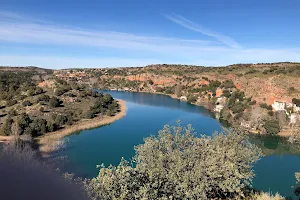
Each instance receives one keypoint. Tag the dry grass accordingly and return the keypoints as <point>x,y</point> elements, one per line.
<point>267,196</point>
<point>54,141</point>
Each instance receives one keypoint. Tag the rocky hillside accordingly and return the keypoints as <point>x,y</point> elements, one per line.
<point>242,95</point>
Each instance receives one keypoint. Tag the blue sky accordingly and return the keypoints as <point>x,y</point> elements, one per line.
<point>118,33</point>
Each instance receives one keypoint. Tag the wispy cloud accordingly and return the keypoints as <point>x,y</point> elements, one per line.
<point>182,21</point>
<point>13,29</point>
<point>21,36</point>
<point>54,62</point>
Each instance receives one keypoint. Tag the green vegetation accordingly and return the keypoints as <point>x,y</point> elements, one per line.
<point>178,165</point>
<point>191,98</point>
<point>272,126</point>
<point>266,106</point>
<point>296,101</point>
<point>37,111</point>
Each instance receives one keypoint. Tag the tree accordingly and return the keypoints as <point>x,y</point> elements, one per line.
<point>27,103</point>
<point>61,120</point>
<point>6,127</point>
<point>228,84</point>
<point>37,127</point>
<point>44,98</point>
<point>38,90</point>
<point>23,122</point>
<point>266,106</point>
<point>178,165</point>
<point>191,98</point>
<point>296,101</point>
<point>272,126</point>
<point>51,126</point>
<point>54,102</point>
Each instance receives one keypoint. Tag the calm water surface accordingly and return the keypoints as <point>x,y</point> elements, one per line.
<point>148,113</point>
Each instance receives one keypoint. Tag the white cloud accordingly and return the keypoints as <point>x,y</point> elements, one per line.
<point>182,21</point>
<point>24,32</point>
<point>56,62</point>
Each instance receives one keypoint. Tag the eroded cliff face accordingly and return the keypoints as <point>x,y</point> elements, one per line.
<point>156,79</point>
<point>262,89</point>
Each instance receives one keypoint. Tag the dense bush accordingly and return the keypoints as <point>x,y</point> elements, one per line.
<point>44,98</point>
<point>54,102</point>
<point>61,90</point>
<point>6,127</point>
<point>159,89</point>
<point>266,106</point>
<point>11,84</point>
<point>272,126</point>
<point>228,84</point>
<point>252,102</point>
<point>191,99</point>
<point>37,127</point>
<point>61,120</point>
<point>226,93</point>
<point>296,101</point>
<point>103,104</point>
<point>26,103</point>
<point>178,165</point>
<point>238,107</point>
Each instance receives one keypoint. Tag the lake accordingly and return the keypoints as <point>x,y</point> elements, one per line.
<point>148,113</point>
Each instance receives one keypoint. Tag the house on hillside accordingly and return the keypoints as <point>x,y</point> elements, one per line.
<point>221,100</point>
<point>294,118</point>
<point>277,105</point>
<point>218,108</point>
<point>183,98</point>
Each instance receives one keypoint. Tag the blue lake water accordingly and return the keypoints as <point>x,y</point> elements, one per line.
<point>148,113</point>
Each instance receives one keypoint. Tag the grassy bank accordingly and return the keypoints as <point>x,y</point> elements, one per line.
<point>52,141</point>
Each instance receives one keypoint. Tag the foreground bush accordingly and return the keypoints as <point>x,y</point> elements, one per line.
<point>267,196</point>
<point>178,165</point>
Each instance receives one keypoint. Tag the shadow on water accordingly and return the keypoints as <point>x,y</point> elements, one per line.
<point>273,145</point>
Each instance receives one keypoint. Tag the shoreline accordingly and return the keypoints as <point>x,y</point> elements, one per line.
<point>283,133</point>
<point>52,141</point>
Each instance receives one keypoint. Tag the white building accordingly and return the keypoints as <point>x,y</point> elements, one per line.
<point>294,118</point>
<point>277,105</point>
<point>220,100</point>
<point>183,98</point>
<point>219,108</point>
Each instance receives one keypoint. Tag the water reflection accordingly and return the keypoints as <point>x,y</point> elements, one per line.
<point>273,145</point>
<point>158,100</point>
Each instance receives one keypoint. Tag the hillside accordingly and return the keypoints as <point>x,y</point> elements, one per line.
<point>242,95</point>
<point>33,102</point>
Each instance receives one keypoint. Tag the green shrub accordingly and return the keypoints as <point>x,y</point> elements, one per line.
<point>266,106</point>
<point>191,99</point>
<point>296,101</point>
<point>238,107</point>
<point>26,103</point>
<point>272,126</point>
<point>54,102</point>
<point>178,165</point>
<point>11,102</point>
<point>228,84</point>
<point>44,98</point>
